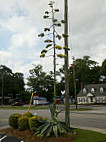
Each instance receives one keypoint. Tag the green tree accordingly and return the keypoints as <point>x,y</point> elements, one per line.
<point>103,70</point>
<point>41,82</point>
<point>13,83</point>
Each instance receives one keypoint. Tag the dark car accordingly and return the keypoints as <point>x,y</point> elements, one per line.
<point>17,104</point>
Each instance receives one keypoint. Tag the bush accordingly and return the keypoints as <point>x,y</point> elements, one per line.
<point>28,114</point>
<point>13,120</point>
<point>34,123</point>
<point>23,123</point>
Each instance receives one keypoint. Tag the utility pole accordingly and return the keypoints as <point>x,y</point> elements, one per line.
<point>67,106</point>
<point>73,66</point>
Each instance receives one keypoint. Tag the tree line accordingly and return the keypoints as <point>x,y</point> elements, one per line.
<point>87,71</point>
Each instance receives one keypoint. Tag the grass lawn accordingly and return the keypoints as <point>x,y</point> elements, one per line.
<point>89,136</point>
<point>24,107</point>
<point>39,107</point>
<point>81,109</point>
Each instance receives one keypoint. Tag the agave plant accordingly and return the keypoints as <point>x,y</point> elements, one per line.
<point>52,127</point>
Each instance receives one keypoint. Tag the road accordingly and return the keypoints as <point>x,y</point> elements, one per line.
<point>93,120</point>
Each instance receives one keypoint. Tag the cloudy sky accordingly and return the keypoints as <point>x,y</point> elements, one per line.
<point>21,21</point>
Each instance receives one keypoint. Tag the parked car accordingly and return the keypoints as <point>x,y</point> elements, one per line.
<point>17,104</point>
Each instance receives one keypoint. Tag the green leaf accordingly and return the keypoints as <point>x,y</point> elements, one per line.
<point>48,45</point>
<point>61,55</point>
<point>66,48</point>
<point>44,129</point>
<point>58,47</point>
<point>41,35</point>
<point>49,130</point>
<point>44,51</point>
<point>46,29</point>
<point>42,55</point>
<point>55,130</point>
<point>48,40</point>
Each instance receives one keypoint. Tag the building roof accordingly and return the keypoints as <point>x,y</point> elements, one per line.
<point>93,89</point>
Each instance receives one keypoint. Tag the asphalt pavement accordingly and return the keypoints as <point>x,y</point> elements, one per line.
<point>92,120</point>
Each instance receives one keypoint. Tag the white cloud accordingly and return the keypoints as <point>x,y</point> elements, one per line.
<point>23,19</point>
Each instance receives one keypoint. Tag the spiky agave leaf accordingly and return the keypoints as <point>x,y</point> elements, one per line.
<point>58,47</point>
<point>61,55</point>
<point>42,55</point>
<point>48,45</point>
<point>43,130</point>
<point>44,51</point>
<point>49,130</point>
<point>55,130</point>
<point>48,40</point>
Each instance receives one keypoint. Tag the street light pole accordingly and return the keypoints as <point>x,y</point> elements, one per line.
<point>67,106</point>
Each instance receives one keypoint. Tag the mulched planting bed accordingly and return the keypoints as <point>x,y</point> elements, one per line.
<point>28,136</point>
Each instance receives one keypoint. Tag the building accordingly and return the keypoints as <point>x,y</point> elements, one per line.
<point>92,93</point>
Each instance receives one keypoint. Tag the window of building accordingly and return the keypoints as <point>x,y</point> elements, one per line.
<point>92,90</point>
<point>101,90</point>
<point>84,91</point>
<point>80,100</point>
<point>97,99</point>
<point>104,100</point>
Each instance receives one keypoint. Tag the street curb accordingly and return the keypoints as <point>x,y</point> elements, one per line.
<point>103,131</point>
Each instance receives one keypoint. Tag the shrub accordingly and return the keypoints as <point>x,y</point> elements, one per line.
<point>28,114</point>
<point>23,123</point>
<point>34,123</point>
<point>13,120</point>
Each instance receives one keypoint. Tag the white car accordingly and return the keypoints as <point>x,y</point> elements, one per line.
<point>40,101</point>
